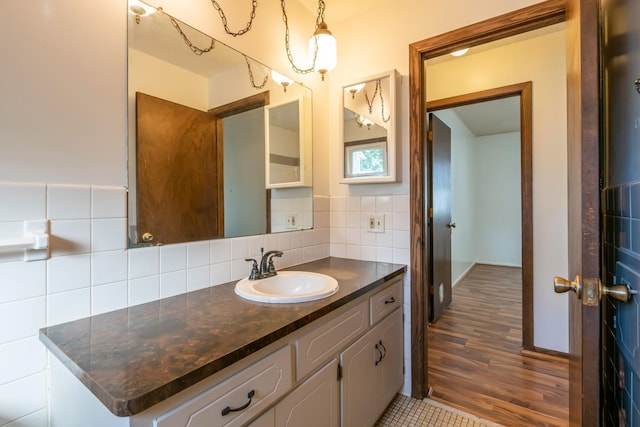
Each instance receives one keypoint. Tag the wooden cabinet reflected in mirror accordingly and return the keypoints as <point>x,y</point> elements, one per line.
<point>194,190</point>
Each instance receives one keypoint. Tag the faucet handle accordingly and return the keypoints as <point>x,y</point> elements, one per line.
<point>271,268</point>
<point>254,269</point>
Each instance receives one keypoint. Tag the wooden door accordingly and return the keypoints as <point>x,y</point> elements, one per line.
<point>584,207</point>
<point>179,178</point>
<point>439,141</point>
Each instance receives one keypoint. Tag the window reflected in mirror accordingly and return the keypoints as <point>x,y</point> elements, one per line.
<point>366,158</point>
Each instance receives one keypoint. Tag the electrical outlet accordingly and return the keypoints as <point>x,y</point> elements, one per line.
<point>292,221</point>
<point>376,224</point>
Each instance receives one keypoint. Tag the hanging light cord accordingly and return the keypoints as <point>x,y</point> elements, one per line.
<point>319,19</point>
<point>251,78</point>
<point>373,98</point>
<point>195,49</point>
<point>246,29</point>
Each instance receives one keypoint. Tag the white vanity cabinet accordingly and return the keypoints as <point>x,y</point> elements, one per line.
<point>356,361</point>
<point>342,369</point>
<point>236,400</point>
<point>314,403</point>
<point>372,372</point>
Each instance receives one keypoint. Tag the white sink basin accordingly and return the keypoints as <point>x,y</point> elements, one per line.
<point>287,287</point>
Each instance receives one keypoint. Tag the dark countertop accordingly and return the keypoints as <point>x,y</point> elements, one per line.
<point>136,357</point>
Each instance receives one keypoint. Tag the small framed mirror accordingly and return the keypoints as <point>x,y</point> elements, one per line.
<point>288,143</point>
<point>369,126</point>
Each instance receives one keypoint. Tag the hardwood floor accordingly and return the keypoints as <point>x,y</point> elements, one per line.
<point>475,360</point>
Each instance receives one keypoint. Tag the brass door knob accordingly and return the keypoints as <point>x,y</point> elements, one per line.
<point>619,292</point>
<point>561,285</point>
<point>593,288</point>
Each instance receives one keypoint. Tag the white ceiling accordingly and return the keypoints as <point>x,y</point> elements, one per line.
<point>491,117</point>
<point>339,10</point>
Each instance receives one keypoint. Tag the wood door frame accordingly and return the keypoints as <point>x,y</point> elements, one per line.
<point>517,22</point>
<point>524,92</point>
<point>585,245</point>
<point>249,103</point>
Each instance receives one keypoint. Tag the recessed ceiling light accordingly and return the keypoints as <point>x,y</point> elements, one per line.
<point>460,52</point>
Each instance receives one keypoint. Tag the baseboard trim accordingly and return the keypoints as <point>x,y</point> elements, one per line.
<point>544,354</point>
<point>499,264</point>
<point>464,274</point>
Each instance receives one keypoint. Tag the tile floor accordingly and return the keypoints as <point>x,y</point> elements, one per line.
<point>405,412</point>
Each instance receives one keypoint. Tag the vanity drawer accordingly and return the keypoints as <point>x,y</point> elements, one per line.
<point>317,346</point>
<point>265,380</point>
<point>385,301</point>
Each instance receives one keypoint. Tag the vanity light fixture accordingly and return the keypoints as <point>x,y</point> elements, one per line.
<point>283,81</point>
<point>362,121</point>
<point>354,89</point>
<point>460,52</point>
<point>322,44</point>
<point>140,9</point>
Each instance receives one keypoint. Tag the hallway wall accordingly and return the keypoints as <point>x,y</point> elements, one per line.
<point>542,61</point>
<point>485,198</point>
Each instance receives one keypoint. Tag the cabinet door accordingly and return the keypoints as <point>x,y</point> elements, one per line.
<point>315,403</point>
<point>390,375</point>
<point>359,384</point>
<point>265,420</point>
<point>372,372</point>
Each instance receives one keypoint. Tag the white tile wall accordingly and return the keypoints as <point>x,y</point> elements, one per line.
<point>350,238</point>
<point>91,271</point>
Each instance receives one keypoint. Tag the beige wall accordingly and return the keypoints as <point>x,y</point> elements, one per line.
<point>365,50</point>
<point>542,61</point>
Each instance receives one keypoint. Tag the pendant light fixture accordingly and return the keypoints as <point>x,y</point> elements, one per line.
<point>322,44</point>
<point>325,59</point>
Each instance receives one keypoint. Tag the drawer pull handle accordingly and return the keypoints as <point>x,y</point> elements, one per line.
<point>390,301</point>
<point>229,409</point>
<point>383,349</point>
<point>380,355</point>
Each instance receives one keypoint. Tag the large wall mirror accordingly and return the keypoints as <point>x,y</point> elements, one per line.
<point>370,130</point>
<point>198,128</point>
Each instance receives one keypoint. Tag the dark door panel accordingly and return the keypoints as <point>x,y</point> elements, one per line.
<point>440,213</point>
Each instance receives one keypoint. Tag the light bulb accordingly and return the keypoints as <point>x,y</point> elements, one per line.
<point>326,55</point>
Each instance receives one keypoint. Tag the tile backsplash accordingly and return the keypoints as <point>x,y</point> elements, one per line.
<point>91,271</point>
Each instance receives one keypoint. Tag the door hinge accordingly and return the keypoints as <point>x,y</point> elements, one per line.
<point>430,135</point>
<point>339,372</point>
<point>430,212</point>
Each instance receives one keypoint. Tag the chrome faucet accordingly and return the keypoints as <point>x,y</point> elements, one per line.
<point>266,268</point>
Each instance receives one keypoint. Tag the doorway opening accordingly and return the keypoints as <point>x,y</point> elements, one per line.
<point>491,200</point>
<point>518,22</point>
